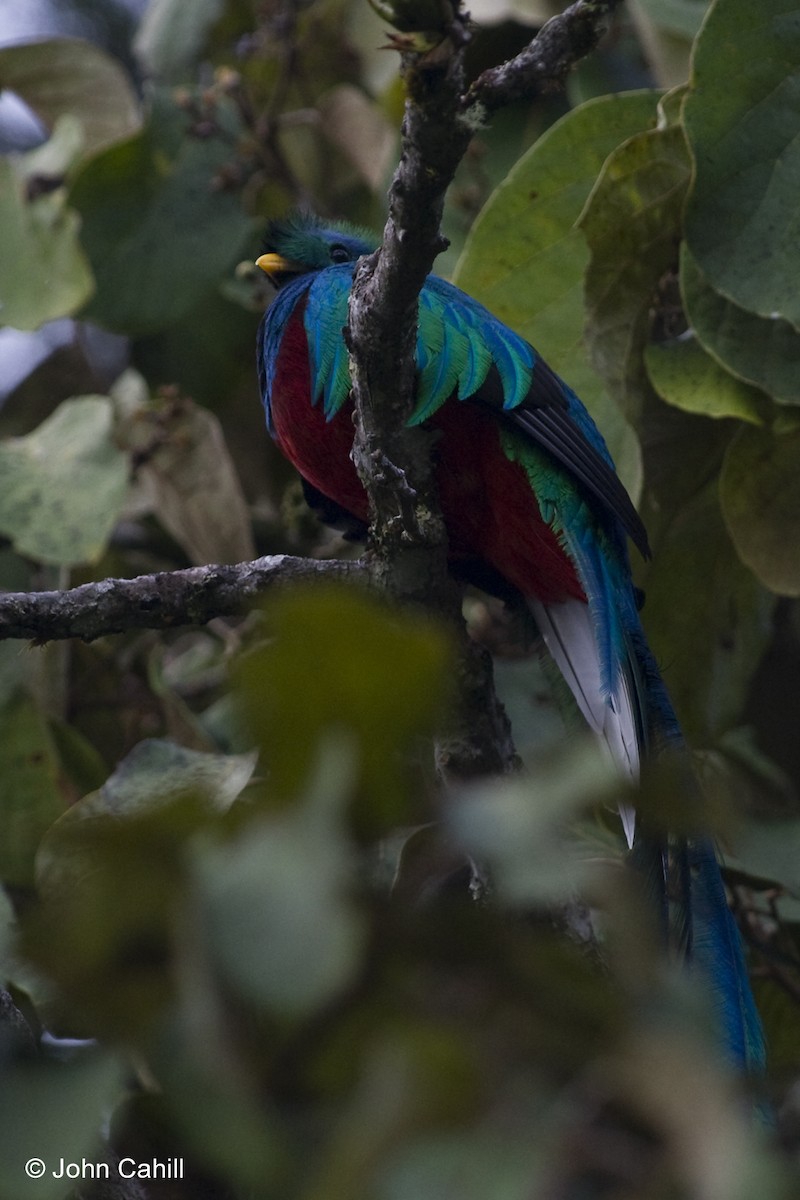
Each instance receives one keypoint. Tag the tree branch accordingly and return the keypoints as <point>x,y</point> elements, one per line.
<point>560,43</point>
<point>408,546</point>
<point>160,601</point>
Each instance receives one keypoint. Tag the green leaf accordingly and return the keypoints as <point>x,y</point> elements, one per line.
<point>276,900</point>
<point>156,775</point>
<point>43,271</point>
<point>632,223</point>
<point>30,797</point>
<point>707,618</point>
<point>525,258</point>
<point>53,159</point>
<point>70,76</point>
<point>63,486</point>
<point>157,772</point>
<point>159,230</point>
<point>741,219</point>
<point>687,377</point>
<point>173,35</point>
<point>760,496</point>
<point>764,351</point>
<point>53,1111</point>
<point>341,664</point>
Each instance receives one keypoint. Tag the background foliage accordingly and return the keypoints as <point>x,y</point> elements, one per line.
<point>223,924</point>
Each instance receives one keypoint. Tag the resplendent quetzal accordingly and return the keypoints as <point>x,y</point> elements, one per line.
<point>532,505</point>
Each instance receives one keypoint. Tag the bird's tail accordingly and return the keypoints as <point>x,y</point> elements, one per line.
<point>630,712</point>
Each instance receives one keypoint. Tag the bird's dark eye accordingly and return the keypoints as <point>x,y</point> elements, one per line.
<point>340,254</point>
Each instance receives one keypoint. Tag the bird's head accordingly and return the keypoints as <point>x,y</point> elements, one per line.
<point>302,243</point>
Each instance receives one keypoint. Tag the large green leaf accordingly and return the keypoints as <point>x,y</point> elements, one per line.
<point>43,270</point>
<point>632,224</point>
<point>707,617</point>
<point>159,229</point>
<point>63,486</point>
<point>761,350</point>
<point>760,495</point>
<point>525,258</point>
<point>70,76</point>
<point>686,376</point>
<point>741,123</point>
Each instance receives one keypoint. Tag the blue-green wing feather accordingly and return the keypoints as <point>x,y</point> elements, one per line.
<point>325,318</point>
<point>468,341</point>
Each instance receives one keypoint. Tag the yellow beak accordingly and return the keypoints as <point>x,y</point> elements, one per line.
<point>275,264</point>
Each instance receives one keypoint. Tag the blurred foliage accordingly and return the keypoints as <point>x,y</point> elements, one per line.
<point>290,983</point>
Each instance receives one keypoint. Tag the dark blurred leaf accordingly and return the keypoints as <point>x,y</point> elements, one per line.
<point>741,218</point>
<point>159,229</point>
<point>685,375</point>
<point>525,258</point>
<point>43,270</point>
<point>212,370</point>
<point>42,510</point>
<point>778,1011</point>
<point>632,223</point>
<point>75,77</point>
<point>81,763</point>
<point>760,496</point>
<point>53,1111</point>
<point>30,796</point>
<point>339,664</point>
<point>761,350</point>
<point>707,618</point>
<point>104,932</point>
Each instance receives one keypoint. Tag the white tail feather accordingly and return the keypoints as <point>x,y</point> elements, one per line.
<point>568,631</point>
